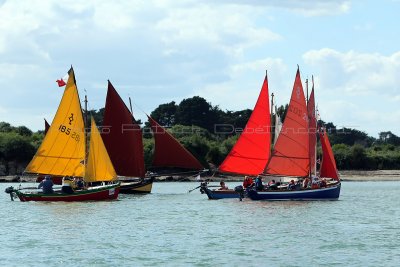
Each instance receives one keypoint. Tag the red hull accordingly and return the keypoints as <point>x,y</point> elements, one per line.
<point>92,194</point>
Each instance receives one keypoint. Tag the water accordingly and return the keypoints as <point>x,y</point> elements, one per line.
<point>173,228</point>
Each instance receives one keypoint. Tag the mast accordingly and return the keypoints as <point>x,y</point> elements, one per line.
<point>86,130</point>
<point>315,118</point>
<point>130,105</point>
<point>271,141</point>
<point>307,92</point>
<point>309,154</point>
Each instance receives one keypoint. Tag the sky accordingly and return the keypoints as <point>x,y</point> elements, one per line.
<point>158,51</point>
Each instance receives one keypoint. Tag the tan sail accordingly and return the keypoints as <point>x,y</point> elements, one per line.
<point>62,151</point>
<point>99,166</point>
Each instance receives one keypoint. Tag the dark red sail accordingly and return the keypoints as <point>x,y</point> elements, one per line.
<point>328,165</point>
<point>291,152</point>
<point>46,126</point>
<point>169,152</point>
<point>251,152</point>
<point>312,124</point>
<point>122,137</point>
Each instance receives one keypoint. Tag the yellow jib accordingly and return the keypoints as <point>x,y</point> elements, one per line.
<point>99,166</point>
<point>62,151</point>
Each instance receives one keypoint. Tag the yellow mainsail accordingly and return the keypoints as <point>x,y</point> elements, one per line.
<point>62,151</point>
<point>99,166</point>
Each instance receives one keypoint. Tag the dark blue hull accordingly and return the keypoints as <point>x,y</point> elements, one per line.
<point>220,194</point>
<point>328,193</point>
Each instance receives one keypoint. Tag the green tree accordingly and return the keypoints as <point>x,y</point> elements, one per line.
<point>358,157</point>
<point>197,111</point>
<point>15,147</point>
<point>165,114</point>
<point>5,127</point>
<point>23,131</point>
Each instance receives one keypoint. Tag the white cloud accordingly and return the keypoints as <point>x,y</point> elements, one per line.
<point>229,28</point>
<point>369,82</point>
<point>308,8</point>
<point>356,73</point>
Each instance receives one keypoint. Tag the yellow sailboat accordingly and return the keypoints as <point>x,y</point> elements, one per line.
<point>63,153</point>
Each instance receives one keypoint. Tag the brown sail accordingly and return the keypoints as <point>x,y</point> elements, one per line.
<point>122,137</point>
<point>169,152</point>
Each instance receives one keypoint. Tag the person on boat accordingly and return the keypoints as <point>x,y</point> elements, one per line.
<point>223,186</point>
<point>259,184</point>
<point>322,183</point>
<point>78,183</point>
<point>67,185</point>
<point>291,185</point>
<point>306,182</point>
<point>315,183</point>
<point>272,185</point>
<point>247,182</point>
<point>47,185</point>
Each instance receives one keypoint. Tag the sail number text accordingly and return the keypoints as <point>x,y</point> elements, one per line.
<point>64,129</point>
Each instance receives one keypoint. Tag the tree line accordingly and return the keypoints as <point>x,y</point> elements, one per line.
<point>210,133</point>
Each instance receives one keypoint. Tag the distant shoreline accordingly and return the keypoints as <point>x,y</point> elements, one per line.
<point>351,175</point>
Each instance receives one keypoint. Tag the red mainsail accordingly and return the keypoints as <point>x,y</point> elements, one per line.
<point>122,137</point>
<point>251,152</point>
<point>328,165</point>
<point>312,124</point>
<point>291,152</point>
<point>168,152</point>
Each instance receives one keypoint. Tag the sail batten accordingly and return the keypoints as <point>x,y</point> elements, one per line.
<point>122,136</point>
<point>251,152</point>
<point>168,152</point>
<point>293,140</point>
<point>63,148</point>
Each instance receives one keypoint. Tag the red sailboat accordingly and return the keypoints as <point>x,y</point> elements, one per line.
<point>123,139</point>
<point>294,155</point>
<point>251,152</point>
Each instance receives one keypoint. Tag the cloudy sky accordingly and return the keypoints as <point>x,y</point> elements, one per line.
<point>157,51</point>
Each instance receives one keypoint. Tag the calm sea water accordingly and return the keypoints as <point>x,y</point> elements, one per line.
<point>173,228</point>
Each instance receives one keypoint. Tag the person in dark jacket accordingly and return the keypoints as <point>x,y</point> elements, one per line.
<point>259,184</point>
<point>47,185</point>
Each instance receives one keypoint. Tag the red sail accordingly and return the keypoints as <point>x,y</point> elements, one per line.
<point>291,152</point>
<point>251,152</point>
<point>328,164</point>
<point>312,124</point>
<point>46,126</point>
<point>169,152</point>
<point>122,137</point>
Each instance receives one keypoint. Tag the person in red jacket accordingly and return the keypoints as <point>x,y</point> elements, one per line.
<point>248,181</point>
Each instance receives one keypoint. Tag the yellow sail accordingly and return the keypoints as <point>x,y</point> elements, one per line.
<point>99,166</point>
<point>62,151</point>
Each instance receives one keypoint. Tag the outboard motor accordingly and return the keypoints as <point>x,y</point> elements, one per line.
<point>240,190</point>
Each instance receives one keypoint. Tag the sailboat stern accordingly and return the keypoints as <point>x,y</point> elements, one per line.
<point>137,187</point>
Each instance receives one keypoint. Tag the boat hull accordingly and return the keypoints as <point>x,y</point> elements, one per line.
<point>137,187</point>
<point>98,193</point>
<point>221,194</point>
<point>328,193</point>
